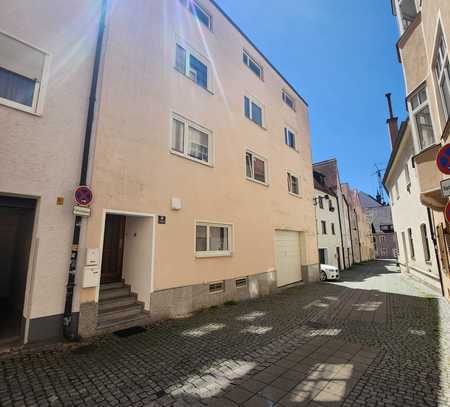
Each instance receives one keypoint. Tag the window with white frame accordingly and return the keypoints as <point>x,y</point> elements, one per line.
<point>252,64</point>
<point>22,71</point>
<point>422,117</point>
<point>191,64</point>
<point>293,183</point>
<point>191,140</point>
<point>411,244</point>
<point>199,12</point>
<point>289,100</point>
<point>212,239</point>
<point>442,69</point>
<point>255,167</point>
<point>289,137</point>
<point>253,110</point>
<point>425,242</point>
<point>407,176</point>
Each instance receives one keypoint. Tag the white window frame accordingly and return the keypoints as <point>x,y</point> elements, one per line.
<point>250,58</point>
<point>414,111</point>
<point>290,175</point>
<point>40,88</point>
<point>261,106</point>
<point>203,9</point>
<point>441,67</point>
<point>425,243</point>
<point>189,123</point>
<point>289,129</point>
<point>285,95</point>
<point>205,61</point>
<point>213,253</point>
<point>266,167</point>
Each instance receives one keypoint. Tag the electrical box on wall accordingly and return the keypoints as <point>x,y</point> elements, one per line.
<point>176,204</point>
<point>92,257</point>
<point>91,276</point>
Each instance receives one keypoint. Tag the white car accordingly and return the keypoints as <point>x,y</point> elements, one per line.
<point>328,272</point>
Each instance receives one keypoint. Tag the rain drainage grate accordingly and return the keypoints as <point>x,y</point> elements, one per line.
<point>129,331</point>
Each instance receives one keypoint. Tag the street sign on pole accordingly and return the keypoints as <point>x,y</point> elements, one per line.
<point>443,159</point>
<point>445,188</point>
<point>83,195</point>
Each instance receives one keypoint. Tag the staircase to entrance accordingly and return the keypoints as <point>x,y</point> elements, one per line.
<point>119,308</point>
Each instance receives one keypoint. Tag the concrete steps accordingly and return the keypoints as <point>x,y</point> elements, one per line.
<point>119,308</point>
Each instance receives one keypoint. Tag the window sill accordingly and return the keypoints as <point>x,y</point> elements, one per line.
<point>191,80</point>
<point>18,106</point>
<point>256,124</point>
<point>201,255</point>
<point>264,184</point>
<point>186,157</point>
<point>296,195</point>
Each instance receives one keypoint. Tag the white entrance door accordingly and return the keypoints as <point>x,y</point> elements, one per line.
<point>287,257</point>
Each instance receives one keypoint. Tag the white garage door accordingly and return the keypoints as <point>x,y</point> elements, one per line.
<point>287,252</point>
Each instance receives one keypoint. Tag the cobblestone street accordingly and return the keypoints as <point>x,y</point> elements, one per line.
<point>374,339</point>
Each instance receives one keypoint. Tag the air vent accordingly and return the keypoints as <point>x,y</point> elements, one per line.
<point>242,282</point>
<point>218,287</point>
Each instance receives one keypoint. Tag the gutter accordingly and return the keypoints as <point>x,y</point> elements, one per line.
<point>68,330</point>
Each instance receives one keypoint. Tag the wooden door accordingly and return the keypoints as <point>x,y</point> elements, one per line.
<point>112,257</point>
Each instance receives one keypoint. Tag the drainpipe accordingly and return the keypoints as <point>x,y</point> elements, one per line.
<point>340,227</point>
<point>68,329</point>
<point>436,250</point>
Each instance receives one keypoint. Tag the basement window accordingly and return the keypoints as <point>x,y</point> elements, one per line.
<point>242,282</point>
<point>218,287</point>
<point>22,74</point>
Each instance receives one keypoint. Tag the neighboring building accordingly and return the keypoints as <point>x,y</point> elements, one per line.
<point>363,229</point>
<point>202,169</point>
<point>328,226</point>
<point>46,58</point>
<point>411,218</point>
<point>330,172</point>
<point>380,220</point>
<point>423,50</point>
<point>353,235</point>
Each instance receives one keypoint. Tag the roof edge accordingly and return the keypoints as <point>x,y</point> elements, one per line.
<point>257,49</point>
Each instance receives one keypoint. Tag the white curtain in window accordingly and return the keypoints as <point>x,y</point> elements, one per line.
<point>178,136</point>
<point>218,238</point>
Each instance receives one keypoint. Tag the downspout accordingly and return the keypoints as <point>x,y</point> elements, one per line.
<point>340,228</point>
<point>436,250</point>
<point>351,235</point>
<point>68,329</point>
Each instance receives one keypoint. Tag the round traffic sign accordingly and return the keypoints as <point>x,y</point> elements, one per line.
<point>443,159</point>
<point>83,195</point>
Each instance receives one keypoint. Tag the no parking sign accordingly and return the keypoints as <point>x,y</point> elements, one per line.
<point>443,159</point>
<point>83,195</point>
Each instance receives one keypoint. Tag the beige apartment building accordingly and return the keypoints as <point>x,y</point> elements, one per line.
<point>46,61</point>
<point>200,166</point>
<point>201,170</point>
<point>423,50</point>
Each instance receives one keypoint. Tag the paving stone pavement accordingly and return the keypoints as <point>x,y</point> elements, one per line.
<point>374,339</point>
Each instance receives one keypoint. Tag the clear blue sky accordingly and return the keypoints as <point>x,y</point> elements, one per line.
<point>341,57</point>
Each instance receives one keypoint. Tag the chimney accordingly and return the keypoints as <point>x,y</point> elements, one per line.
<point>392,121</point>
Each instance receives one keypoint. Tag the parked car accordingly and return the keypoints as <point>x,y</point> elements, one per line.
<point>328,272</point>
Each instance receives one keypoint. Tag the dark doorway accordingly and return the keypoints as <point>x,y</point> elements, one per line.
<point>338,256</point>
<point>112,257</point>
<point>16,231</point>
<point>323,256</point>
